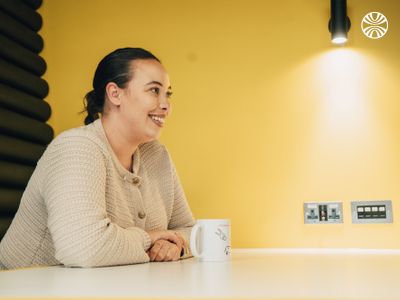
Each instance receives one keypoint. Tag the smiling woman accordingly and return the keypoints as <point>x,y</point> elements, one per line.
<point>106,193</point>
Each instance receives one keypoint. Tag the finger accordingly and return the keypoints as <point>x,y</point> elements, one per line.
<point>183,240</point>
<point>176,254</point>
<point>163,251</point>
<point>161,235</point>
<point>159,252</point>
<point>180,237</point>
<point>154,250</point>
<point>171,252</point>
<point>176,240</point>
<point>171,236</point>
<point>183,243</point>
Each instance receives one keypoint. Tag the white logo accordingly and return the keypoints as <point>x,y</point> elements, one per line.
<point>374,25</point>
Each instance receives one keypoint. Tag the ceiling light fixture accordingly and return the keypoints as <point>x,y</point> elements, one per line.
<point>339,24</point>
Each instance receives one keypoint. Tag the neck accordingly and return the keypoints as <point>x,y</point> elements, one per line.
<point>120,142</point>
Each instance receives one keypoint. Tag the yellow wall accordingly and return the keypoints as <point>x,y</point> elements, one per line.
<point>268,114</point>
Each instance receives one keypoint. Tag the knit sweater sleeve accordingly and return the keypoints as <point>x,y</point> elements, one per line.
<point>182,219</point>
<point>75,198</point>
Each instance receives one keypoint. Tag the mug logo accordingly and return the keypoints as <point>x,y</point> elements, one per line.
<point>221,235</point>
<point>374,25</point>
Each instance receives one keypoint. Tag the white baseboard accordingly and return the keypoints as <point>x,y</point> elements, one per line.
<point>345,251</point>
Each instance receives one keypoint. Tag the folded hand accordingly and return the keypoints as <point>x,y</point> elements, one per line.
<point>163,250</point>
<point>168,235</point>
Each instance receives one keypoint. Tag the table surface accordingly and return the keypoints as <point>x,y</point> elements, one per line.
<point>257,273</point>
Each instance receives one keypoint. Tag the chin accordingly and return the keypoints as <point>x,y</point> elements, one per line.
<point>152,137</point>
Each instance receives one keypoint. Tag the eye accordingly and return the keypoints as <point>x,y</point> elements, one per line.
<point>169,94</point>
<point>155,90</point>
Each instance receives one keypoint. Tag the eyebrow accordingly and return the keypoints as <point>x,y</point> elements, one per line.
<point>158,83</point>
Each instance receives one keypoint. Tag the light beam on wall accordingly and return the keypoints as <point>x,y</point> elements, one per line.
<point>342,78</point>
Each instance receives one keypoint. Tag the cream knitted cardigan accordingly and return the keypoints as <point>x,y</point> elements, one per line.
<point>82,208</point>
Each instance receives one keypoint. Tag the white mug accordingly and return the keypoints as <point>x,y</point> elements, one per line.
<point>210,239</point>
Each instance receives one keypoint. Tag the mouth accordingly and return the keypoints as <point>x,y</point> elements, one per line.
<point>159,120</point>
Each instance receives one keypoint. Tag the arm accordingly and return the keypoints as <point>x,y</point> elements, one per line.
<point>75,198</point>
<point>182,219</point>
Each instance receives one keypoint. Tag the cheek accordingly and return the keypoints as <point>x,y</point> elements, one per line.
<point>146,104</point>
<point>138,109</point>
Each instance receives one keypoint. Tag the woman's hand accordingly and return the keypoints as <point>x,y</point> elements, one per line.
<point>167,235</point>
<point>163,250</point>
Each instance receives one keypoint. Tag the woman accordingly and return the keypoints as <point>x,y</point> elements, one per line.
<point>106,193</point>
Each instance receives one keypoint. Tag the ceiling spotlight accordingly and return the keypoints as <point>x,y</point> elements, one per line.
<point>339,24</point>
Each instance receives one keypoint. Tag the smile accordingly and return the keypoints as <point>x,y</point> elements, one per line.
<point>158,120</point>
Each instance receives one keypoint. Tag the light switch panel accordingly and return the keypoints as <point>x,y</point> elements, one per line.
<point>377,211</point>
<point>323,212</point>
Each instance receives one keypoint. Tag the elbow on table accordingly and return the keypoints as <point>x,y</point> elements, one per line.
<point>79,261</point>
<point>103,257</point>
<point>86,248</point>
<point>95,263</point>
<point>83,255</point>
<point>109,246</point>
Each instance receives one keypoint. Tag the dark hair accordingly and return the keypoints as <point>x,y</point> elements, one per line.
<point>115,67</point>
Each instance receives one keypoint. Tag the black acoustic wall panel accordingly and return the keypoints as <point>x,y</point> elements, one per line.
<point>24,133</point>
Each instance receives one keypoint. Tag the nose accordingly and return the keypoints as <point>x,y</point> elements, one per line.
<point>165,105</point>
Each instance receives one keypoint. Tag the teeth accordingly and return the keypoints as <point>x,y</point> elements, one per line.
<point>159,119</point>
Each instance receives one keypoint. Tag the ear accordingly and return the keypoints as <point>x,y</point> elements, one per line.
<point>113,93</point>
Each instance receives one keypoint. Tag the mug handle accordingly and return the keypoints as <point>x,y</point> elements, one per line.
<point>193,235</point>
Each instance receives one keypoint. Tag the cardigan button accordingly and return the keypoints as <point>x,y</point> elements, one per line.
<point>142,215</point>
<point>135,180</point>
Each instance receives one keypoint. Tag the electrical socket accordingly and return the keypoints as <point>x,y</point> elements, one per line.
<point>323,212</point>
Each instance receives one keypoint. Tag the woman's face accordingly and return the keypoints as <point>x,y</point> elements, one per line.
<point>145,101</point>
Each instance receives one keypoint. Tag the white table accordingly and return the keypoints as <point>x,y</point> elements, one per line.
<point>266,274</point>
